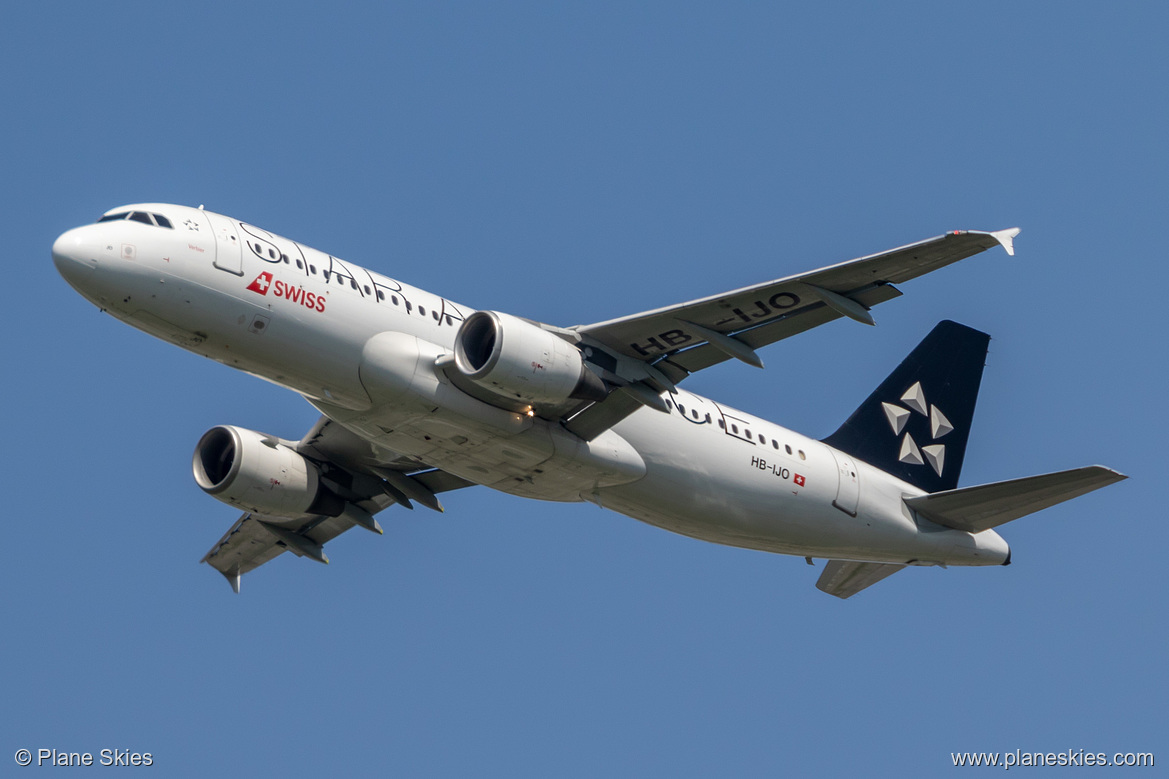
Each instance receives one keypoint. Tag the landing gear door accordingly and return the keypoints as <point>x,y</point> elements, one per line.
<point>228,251</point>
<point>848,491</point>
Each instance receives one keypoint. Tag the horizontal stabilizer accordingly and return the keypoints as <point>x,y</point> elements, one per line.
<point>975,509</point>
<point>844,579</point>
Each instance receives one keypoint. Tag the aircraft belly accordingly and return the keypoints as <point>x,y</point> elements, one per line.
<point>706,484</point>
<point>419,412</point>
<point>535,460</point>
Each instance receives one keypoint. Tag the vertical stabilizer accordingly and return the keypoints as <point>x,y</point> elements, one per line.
<point>916,424</point>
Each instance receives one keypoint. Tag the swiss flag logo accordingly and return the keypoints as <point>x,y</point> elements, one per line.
<point>261,284</point>
<point>799,480</point>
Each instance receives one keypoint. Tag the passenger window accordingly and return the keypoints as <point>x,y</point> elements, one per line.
<point>381,295</point>
<point>422,311</point>
<point>694,413</point>
<point>272,253</point>
<point>435,315</point>
<point>722,425</point>
<point>734,429</point>
<point>802,455</point>
<point>138,216</point>
<point>313,270</point>
<point>299,265</point>
<point>748,434</point>
<point>367,290</point>
<point>774,444</point>
<point>787,448</point>
<point>394,299</point>
<point>353,283</point>
<point>163,221</point>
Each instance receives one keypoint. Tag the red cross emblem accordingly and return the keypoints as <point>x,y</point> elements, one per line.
<point>261,284</point>
<point>799,480</point>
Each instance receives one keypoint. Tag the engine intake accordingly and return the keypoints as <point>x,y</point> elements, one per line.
<point>257,473</point>
<point>518,360</point>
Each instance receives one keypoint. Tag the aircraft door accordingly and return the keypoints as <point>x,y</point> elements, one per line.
<point>228,251</point>
<point>848,489</point>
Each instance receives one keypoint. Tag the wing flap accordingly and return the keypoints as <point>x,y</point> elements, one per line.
<point>245,547</point>
<point>975,509</point>
<point>844,578</point>
<point>602,415</point>
<point>681,364</point>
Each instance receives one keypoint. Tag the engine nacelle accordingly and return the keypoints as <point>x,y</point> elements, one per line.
<point>518,360</point>
<point>257,473</point>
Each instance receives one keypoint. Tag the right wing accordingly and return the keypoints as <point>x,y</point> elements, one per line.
<point>372,484</point>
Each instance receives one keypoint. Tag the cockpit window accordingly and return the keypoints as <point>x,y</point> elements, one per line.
<point>139,216</point>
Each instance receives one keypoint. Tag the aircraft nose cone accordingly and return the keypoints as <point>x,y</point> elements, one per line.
<point>73,257</point>
<point>66,248</point>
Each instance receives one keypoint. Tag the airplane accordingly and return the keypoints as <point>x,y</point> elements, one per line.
<point>419,395</point>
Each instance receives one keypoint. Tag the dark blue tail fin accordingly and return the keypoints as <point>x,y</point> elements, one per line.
<point>916,424</point>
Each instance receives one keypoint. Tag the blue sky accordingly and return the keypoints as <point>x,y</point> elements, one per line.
<point>572,163</point>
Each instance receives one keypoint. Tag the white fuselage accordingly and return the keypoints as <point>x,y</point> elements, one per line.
<point>361,347</point>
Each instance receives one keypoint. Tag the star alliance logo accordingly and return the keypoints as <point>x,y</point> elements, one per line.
<point>898,417</point>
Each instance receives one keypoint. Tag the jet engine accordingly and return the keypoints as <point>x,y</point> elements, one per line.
<point>518,360</point>
<point>258,473</point>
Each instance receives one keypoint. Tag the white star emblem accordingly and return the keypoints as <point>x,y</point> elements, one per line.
<point>910,453</point>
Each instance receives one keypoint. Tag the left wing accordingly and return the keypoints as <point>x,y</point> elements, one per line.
<point>648,353</point>
<point>367,482</point>
<point>687,337</point>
